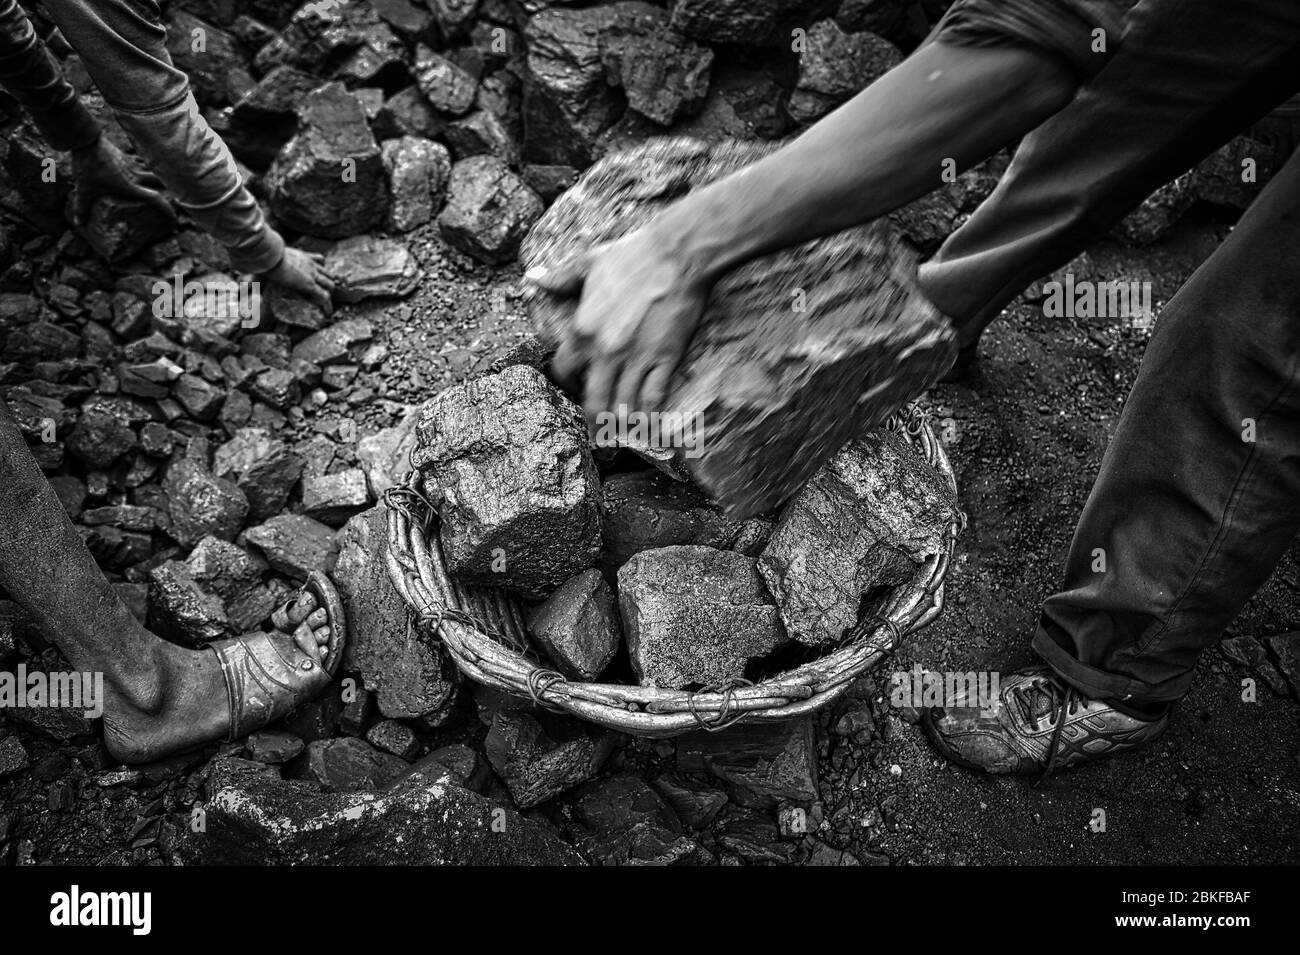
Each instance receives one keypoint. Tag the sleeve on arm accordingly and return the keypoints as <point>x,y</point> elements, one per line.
<point>122,44</point>
<point>1064,28</point>
<point>30,73</point>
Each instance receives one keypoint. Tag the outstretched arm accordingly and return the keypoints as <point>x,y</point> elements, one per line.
<point>642,295</point>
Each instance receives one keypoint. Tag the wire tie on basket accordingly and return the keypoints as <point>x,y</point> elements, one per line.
<point>540,680</point>
<point>405,499</point>
<point>728,691</point>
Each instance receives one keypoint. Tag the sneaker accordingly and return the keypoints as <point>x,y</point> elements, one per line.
<point>1039,724</point>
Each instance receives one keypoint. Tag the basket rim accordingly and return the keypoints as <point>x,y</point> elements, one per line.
<point>484,632</point>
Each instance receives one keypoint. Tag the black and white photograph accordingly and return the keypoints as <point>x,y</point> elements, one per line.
<point>649,433</point>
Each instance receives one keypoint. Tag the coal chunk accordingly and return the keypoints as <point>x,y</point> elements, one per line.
<point>401,665</point>
<point>418,171</point>
<point>370,267</point>
<point>835,66</point>
<point>864,522</point>
<point>295,544</point>
<point>578,626</point>
<point>695,615</point>
<point>797,350</point>
<point>505,457</point>
<point>489,210</point>
<point>329,179</point>
<point>202,504</point>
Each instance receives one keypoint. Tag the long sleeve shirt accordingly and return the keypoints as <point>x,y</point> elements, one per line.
<point>122,44</point>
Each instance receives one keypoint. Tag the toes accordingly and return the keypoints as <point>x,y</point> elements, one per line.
<point>317,618</point>
<point>302,608</point>
<point>322,635</point>
<point>305,640</point>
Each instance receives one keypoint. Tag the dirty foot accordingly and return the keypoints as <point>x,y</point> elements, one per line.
<point>234,686</point>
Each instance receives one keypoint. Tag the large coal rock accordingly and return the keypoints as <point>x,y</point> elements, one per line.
<point>256,818</point>
<point>862,524</point>
<point>396,661</point>
<point>695,615</point>
<point>505,459</point>
<point>797,351</point>
<point>329,180</point>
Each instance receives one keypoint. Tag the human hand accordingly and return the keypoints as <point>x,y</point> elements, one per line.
<point>304,273</point>
<point>101,169</point>
<point>638,310</point>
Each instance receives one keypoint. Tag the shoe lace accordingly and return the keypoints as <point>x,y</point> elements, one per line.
<point>1053,699</point>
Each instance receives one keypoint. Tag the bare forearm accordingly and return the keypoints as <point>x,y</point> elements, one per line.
<point>881,150</point>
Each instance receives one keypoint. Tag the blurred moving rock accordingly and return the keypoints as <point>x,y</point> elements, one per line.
<point>505,459</point>
<point>370,267</point>
<point>329,179</point>
<point>202,504</point>
<point>403,668</point>
<point>489,210</point>
<point>773,398</point>
<point>626,822</point>
<point>763,764</point>
<point>578,626</point>
<point>835,66</point>
<point>254,819</point>
<point>695,615</point>
<point>418,171</point>
<point>863,523</point>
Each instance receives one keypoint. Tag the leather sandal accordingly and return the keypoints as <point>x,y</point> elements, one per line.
<point>267,675</point>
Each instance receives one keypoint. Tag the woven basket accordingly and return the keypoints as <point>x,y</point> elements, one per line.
<point>483,629</point>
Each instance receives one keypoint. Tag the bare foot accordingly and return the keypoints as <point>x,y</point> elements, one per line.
<point>304,273</point>
<point>190,705</point>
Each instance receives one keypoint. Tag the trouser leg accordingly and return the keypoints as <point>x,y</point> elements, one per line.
<point>1198,495</point>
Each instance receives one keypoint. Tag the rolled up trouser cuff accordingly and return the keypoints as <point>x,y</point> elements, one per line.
<point>1093,683</point>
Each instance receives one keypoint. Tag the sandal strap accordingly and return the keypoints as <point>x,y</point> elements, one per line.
<point>261,684</point>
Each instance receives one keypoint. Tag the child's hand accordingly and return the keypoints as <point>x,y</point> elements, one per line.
<point>304,273</point>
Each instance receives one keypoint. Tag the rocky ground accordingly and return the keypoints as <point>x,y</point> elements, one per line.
<point>210,466</point>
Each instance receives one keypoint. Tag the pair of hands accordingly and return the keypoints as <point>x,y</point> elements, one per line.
<point>637,312</point>
<point>102,169</point>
